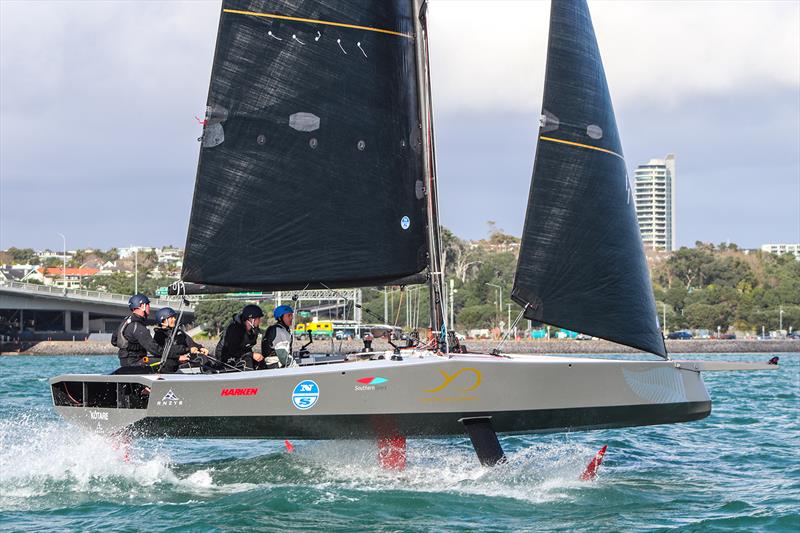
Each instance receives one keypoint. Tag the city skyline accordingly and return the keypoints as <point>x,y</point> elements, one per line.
<point>99,134</point>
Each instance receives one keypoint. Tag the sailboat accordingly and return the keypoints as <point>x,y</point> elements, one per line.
<point>319,117</point>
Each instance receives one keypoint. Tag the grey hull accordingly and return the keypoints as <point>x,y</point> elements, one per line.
<point>422,395</point>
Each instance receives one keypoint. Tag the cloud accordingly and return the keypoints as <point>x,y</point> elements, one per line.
<point>492,54</point>
<point>97,101</point>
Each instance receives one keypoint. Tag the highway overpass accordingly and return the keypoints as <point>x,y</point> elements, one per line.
<point>37,312</point>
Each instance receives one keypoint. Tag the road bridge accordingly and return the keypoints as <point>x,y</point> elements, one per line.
<point>38,312</point>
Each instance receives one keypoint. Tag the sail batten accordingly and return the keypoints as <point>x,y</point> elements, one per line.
<point>311,160</point>
<point>582,265</point>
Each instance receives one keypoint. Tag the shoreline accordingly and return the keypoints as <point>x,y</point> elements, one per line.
<point>542,347</point>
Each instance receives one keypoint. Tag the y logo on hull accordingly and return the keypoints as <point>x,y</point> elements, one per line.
<point>449,379</point>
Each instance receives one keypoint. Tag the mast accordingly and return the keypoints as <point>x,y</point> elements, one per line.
<point>436,275</point>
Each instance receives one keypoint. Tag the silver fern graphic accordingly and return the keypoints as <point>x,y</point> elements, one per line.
<point>658,385</point>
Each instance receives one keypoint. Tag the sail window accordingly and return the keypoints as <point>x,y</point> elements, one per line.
<point>303,121</point>
<point>361,145</point>
<point>548,121</point>
<point>419,189</point>
<point>213,136</point>
<point>594,131</point>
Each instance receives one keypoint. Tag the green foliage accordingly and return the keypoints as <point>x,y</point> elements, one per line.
<point>53,262</point>
<point>477,316</point>
<point>23,255</point>
<point>707,286</point>
<point>214,315</point>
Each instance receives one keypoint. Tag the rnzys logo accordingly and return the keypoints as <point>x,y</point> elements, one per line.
<point>305,394</point>
<point>170,399</point>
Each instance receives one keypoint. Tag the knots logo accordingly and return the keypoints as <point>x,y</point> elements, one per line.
<point>470,380</point>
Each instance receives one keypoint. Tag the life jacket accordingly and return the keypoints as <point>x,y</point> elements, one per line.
<point>119,339</point>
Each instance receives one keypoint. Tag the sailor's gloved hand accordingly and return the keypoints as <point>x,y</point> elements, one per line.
<point>204,351</point>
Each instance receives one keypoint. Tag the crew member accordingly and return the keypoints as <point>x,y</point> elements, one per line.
<point>278,335</point>
<point>182,344</point>
<point>236,344</point>
<point>133,338</point>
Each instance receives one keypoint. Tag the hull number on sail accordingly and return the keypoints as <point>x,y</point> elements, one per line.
<point>305,395</point>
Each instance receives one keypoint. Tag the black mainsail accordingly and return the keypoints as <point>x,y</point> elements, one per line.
<point>311,170</point>
<point>582,264</point>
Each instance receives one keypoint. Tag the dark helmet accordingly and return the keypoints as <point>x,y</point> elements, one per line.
<point>252,311</point>
<point>164,313</point>
<point>282,310</point>
<point>137,300</point>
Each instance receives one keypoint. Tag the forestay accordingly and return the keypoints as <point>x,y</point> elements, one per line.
<point>311,169</point>
<point>582,264</point>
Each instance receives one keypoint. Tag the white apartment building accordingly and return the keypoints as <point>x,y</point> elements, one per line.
<point>781,249</point>
<point>654,190</point>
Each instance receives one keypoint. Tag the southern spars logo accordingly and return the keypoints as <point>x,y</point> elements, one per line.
<point>305,394</point>
<point>170,399</point>
<point>371,383</point>
<point>239,392</point>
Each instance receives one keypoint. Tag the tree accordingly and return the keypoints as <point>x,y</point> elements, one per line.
<point>708,316</point>
<point>118,283</point>
<point>477,316</point>
<point>23,255</point>
<point>214,315</point>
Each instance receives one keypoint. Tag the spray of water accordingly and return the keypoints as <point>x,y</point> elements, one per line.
<point>49,463</point>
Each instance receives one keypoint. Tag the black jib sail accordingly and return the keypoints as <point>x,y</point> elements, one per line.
<point>311,163</point>
<point>582,264</point>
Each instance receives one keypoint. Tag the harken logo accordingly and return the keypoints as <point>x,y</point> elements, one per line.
<point>371,383</point>
<point>239,392</point>
<point>170,399</point>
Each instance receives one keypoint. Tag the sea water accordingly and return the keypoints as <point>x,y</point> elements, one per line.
<point>737,470</point>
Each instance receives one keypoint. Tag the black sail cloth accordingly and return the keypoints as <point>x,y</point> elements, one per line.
<point>582,264</point>
<point>311,170</point>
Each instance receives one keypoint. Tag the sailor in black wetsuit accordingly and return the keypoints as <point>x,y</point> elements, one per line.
<point>133,338</point>
<point>182,345</point>
<point>279,335</point>
<point>236,344</point>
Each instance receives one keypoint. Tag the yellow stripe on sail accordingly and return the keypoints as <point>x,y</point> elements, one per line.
<point>580,145</point>
<point>315,21</point>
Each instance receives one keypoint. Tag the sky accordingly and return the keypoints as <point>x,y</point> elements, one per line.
<point>98,99</point>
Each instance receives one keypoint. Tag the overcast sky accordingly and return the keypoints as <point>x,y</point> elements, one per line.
<point>97,101</point>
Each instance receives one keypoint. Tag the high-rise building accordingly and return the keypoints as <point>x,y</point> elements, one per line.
<point>655,203</point>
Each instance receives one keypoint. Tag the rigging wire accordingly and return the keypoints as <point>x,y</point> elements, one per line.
<point>171,340</point>
<point>496,350</point>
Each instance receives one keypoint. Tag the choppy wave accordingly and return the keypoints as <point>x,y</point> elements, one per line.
<point>737,470</point>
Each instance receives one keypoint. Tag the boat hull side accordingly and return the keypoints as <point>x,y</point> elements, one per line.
<point>419,425</point>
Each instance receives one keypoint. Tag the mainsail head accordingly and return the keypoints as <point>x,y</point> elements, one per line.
<point>582,264</point>
<point>311,163</point>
